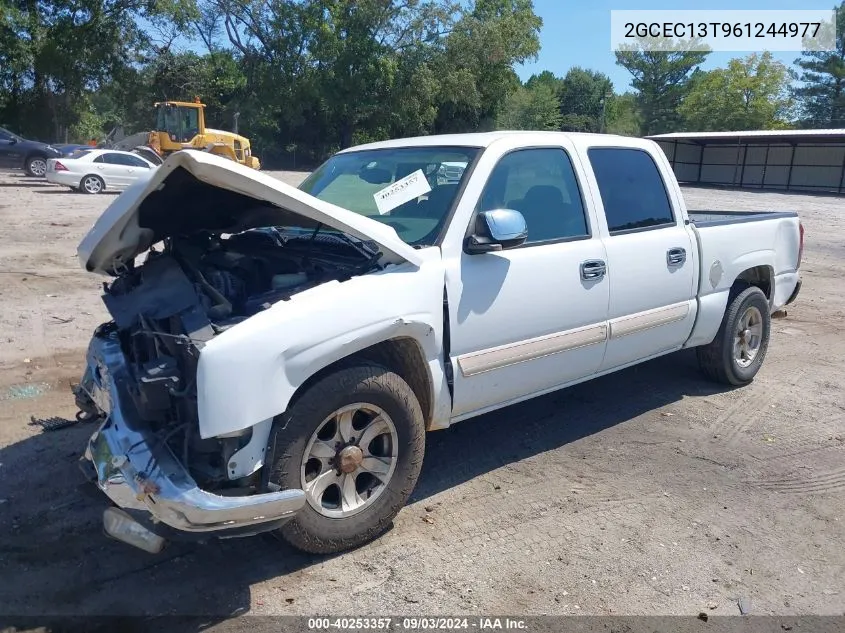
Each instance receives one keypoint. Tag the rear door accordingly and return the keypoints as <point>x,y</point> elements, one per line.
<point>651,264</point>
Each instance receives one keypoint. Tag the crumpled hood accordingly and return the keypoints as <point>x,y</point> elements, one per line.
<point>194,191</point>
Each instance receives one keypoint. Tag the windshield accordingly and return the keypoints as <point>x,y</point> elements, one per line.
<point>180,122</point>
<point>411,189</point>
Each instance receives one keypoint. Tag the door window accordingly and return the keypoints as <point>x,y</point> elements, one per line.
<point>134,161</point>
<point>109,159</point>
<point>541,184</point>
<point>632,191</point>
<point>120,159</point>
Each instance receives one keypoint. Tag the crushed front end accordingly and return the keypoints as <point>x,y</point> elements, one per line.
<point>138,470</point>
<point>148,456</point>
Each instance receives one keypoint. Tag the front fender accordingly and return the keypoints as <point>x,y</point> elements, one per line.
<point>250,372</point>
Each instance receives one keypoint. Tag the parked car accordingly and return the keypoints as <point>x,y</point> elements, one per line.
<point>451,172</point>
<point>68,150</point>
<point>96,170</point>
<point>275,362</point>
<point>18,153</point>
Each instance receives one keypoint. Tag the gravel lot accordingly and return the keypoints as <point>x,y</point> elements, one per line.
<point>646,492</point>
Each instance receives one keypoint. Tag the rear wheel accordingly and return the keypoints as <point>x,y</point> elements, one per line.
<point>36,166</point>
<point>92,184</point>
<point>736,354</point>
<point>354,442</point>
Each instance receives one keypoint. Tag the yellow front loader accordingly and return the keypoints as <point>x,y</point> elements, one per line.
<point>181,125</point>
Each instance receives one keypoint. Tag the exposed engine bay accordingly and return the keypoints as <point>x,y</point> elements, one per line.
<point>191,289</point>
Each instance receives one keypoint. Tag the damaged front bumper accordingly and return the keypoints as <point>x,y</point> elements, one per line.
<point>141,475</point>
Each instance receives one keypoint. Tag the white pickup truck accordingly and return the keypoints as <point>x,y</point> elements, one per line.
<point>276,354</point>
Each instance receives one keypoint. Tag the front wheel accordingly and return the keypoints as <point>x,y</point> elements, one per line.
<point>354,442</point>
<point>736,354</point>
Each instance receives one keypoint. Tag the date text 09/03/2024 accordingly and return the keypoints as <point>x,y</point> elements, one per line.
<point>416,623</point>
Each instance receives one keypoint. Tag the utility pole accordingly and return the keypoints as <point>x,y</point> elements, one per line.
<point>603,102</point>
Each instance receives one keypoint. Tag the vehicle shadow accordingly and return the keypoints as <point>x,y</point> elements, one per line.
<point>27,183</point>
<point>67,191</point>
<point>53,542</point>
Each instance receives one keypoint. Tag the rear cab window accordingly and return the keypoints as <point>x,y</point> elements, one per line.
<point>632,190</point>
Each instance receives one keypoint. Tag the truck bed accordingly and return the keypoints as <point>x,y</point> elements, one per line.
<point>725,249</point>
<point>708,217</point>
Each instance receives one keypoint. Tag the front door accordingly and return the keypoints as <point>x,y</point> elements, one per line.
<point>113,169</point>
<point>10,155</point>
<point>528,319</point>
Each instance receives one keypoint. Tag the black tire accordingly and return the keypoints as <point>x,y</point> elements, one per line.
<point>35,166</point>
<point>309,530</point>
<point>92,189</point>
<point>717,359</point>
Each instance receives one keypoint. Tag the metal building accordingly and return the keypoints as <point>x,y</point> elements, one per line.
<point>809,160</point>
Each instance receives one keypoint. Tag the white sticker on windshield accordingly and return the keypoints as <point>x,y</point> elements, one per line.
<point>402,191</point>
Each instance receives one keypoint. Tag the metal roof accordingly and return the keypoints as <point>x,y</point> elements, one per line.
<point>782,136</point>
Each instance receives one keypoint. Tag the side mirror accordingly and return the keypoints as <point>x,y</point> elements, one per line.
<point>13,141</point>
<point>497,230</point>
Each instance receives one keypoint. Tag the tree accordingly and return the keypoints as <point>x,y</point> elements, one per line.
<point>584,99</point>
<point>547,78</point>
<point>623,115</point>
<point>821,95</point>
<point>476,67</point>
<point>534,107</point>
<point>314,75</point>
<point>661,79</point>
<point>63,50</point>
<point>749,94</point>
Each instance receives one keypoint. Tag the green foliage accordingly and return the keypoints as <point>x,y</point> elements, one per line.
<point>661,79</point>
<point>532,107</point>
<point>750,94</point>
<point>304,78</point>
<point>623,115</point>
<point>821,93</point>
<point>584,99</point>
<point>55,53</point>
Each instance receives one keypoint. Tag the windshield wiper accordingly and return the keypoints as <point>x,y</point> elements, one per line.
<point>360,245</point>
<point>372,255</point>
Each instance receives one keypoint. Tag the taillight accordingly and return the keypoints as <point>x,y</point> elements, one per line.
<point>800,244</point>
<point>59,167</point>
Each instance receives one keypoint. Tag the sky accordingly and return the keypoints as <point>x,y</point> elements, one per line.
<point>578,33</point>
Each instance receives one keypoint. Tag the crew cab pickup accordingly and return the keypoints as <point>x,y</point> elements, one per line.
<point>276,354</point>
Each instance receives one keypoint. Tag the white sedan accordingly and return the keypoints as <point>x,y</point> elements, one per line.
<point>95,170</point>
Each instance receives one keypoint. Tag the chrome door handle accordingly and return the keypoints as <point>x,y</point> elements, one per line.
<point>676,256</point>
<point>593,269</point>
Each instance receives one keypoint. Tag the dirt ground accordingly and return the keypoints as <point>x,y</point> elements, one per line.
<point>646,492</point>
